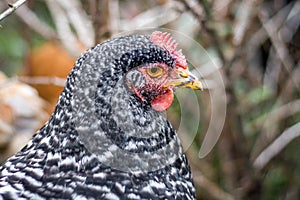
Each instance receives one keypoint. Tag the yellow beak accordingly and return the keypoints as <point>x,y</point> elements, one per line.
<point>186,80</point>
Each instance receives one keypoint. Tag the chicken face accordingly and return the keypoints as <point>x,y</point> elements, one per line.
<point>154,83</point>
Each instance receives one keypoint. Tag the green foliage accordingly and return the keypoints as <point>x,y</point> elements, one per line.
<point>275,184</point>
<point>12,47</point>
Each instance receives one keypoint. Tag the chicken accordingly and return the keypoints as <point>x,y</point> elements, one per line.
<point>108,137</point>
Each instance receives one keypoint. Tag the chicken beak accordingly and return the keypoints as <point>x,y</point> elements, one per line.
<point>185,80</point>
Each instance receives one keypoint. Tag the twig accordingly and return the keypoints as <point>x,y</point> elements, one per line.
<point>194,8</point>
<point>211,31</point>
<point>197,11</point>
<point>292,23</point>
<point>291,84</point>
<point>279,113</point>
<point>277,42</point>
<point>261,36</point>
<point>153,17</point>
<point>43,80</point>
<point>79,21</point>
<point>11,9</point>
<point>66,36</point>
<point>244,15</point>
<point>32,21</point>
<point>270,125</point>
<point>276,147</point>
<point>271,28</point>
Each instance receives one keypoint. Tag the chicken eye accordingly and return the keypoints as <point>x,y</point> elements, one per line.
<point>154,71</point>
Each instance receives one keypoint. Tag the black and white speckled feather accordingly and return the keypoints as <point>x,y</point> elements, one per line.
<point>102,142</point>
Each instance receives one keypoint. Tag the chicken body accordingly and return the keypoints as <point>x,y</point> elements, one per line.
<point>104,139</point>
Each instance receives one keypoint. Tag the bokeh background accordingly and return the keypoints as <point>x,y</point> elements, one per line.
<point>253,44</point>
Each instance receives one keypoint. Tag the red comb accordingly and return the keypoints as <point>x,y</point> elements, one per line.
<point>165,41</point>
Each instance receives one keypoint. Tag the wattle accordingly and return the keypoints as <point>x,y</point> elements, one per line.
<point>163,101</point>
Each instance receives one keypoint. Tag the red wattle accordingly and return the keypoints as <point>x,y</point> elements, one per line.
<point>163,101</point>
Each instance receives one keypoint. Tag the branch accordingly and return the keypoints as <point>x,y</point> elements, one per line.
<point>64,31</point>
<point>36,24</point>
<point>261,35</point>
<point>245,14</point>
<point>291,85</point>
<point>154,17</point>
<point>43,80</point>
<point>216,40</point>
<point>276,147</point>
<point>11,9</point>
<point>276,115</point>
<point>194,8</point>
<point>278,20</point>
<point>279,45</point>
<point>80,22</point>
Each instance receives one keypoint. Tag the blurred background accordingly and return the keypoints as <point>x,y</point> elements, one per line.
<point>254,45</point>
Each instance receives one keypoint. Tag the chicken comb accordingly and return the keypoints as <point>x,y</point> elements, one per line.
<point>165,41</point>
